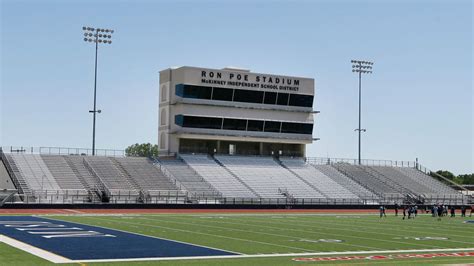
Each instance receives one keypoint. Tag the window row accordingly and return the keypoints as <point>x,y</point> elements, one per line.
<point>243,124</point>
<point>245,96</point>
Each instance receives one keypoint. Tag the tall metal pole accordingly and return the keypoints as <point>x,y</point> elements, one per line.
<point>361,67</point>
<point>97,36</point>
<point>360,130</point>
<point>95,95</point>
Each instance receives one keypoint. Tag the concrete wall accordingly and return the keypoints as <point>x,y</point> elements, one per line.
<point>5,181</point>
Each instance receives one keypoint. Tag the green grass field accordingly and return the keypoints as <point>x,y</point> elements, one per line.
<point>252,234</point>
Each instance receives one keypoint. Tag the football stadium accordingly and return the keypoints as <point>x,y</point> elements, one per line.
<point>231,185</point>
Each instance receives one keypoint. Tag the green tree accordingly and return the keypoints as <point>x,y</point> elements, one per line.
<point>446,174</point>
<point>467,179</point>
<point>142,150</point>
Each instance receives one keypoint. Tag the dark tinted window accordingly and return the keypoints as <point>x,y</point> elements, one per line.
<point>282,99</point>
<point>180,90</point>
<point>178,120</point>
<point>301,100</point>
<point>248,96</point>
<point>202,122</point>
<point>194,92</point>
<point>270,97</point>
<point>271,126</point>
<point>235,124</point>
<point>298,128</point>
<point>222,94</point>
<point>255,125</point>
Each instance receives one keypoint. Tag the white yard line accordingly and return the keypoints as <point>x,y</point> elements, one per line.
<point>250,231</point>
<point>34,250</point>
<point>371,252</point>
<point>321,230</point>
<point>383,226</point>
<point>310,224</point>
<point>200,233</point>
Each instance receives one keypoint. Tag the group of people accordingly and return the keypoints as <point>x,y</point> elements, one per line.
<point>442,210</point>
<point>438,211</point>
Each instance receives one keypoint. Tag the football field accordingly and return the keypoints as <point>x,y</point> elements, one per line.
<point>249,239</point>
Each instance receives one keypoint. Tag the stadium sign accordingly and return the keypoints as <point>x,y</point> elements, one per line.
<point>249,80</point>
<point>388,257</point>
<point>229,78</point>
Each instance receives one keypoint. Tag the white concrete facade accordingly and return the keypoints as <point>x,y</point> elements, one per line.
<point>172,105</point>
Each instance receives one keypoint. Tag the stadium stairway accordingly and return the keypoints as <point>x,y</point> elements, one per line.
<point>219,176</point>
<point>268,178</point>
<point>298,170</point>
<point>155,186</point>
<point>365,179</point>
<point>316,179</point>
<point>116,185</point>
<point>188,179</point>
<point>361,191</point>
<point>17,177</point>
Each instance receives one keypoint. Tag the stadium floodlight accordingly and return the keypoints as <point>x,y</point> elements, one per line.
<point>361,67</point>
<point>92,35</point>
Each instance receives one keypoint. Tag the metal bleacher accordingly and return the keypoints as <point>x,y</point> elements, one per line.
<point>148,178</point>
<point>318,180</point>
<point>218,176</point>
<point>215,179</point>
<point>356,188</point>
<point>403,180</point>
<point>35,172</point>
<point>375,183</point>
<point>188,178</point>
<point>268,178</point>
<point>116,184</point>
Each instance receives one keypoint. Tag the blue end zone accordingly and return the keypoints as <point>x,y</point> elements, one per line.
<point>83,242</point>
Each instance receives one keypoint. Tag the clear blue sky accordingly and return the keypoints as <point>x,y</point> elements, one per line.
<point>418,102</point>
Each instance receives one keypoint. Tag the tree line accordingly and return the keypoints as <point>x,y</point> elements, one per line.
<point>465,179</point>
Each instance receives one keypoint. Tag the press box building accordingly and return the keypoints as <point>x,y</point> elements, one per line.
<point>234,111</point>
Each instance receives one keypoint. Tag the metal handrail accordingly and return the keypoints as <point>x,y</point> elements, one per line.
<point>427,171</point>
<point>63,151</point>
<point>101,183</point>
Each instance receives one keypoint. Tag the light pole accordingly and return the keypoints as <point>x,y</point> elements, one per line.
<point>96,36</point>
<point>361,67</point>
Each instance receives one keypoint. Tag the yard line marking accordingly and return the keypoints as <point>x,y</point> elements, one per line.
<point>34,250</point>
<point>386,228</point>
<point>193,232</point>
<point>247,231</point>
<point>379,225</point>
<point>290,255</point>
<point>339,235</point>
<point>378,233</point>
<point>177,241</point>
<point>420,224</point>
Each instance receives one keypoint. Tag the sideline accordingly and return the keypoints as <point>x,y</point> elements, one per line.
<point>34,250</point>
<point>290,255</point>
